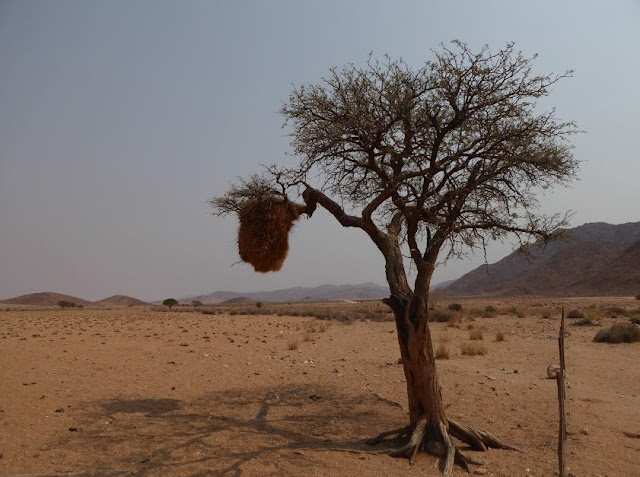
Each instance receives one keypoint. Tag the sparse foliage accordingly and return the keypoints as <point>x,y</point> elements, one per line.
<point>619,333</point>
<point>455,307</point>
<point>170,302</point>
<point>427,161</point>
<point>195,303</point>
<point>575,314</point>
<point>442,351</point>
<point>67,304</point>
<point>473,348</point>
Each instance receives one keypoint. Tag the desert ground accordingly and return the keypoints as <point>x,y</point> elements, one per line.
<point>156,392</point>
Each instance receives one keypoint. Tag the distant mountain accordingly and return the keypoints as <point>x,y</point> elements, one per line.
<point>44,299</point>
<point>121,300</point>
<point>363,291</point>
<point>593,259</point>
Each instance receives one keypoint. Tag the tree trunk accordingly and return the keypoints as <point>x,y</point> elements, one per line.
<point>418,361</point>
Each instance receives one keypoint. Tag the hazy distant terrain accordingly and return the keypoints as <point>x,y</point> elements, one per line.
<point>362,291</point>
<point>596,259</point>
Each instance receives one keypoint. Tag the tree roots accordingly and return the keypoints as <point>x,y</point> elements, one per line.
<point>410,439</point>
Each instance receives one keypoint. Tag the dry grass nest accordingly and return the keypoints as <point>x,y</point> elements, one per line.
<point>263,236</point>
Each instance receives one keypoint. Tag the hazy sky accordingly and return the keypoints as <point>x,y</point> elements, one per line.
<point>119,119</point>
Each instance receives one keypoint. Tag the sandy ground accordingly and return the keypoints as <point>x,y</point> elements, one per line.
<point>186,394</point>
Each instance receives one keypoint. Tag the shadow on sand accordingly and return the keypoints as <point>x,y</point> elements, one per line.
<point>256,431</point>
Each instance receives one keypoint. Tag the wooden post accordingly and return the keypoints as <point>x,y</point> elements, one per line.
<point>560,379</point>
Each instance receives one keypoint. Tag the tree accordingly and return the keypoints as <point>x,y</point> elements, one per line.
<point>429,163</point>
<point>170,302</point>
<point>66,304</point>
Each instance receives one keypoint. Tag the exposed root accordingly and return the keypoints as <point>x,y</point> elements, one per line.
<point>479,440</point>
<point>399,434</point>
<point>440,444</point>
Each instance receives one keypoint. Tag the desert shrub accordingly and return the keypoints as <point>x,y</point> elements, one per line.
<point>635,320</point>
<point>66,304</point>
<point>618,333</point>
<point>258,304</point>
<point>441,316</point>
<point>196,303</point>
<point>615,311</point>
<point>455,307</point>
<point>473,348</point>
<point>585,322</point>
<point>170,302</point>
<point>638,296</point>
<point>292,344</point>
<point>454,323</point>
<point>575,314</point>
<point>500,336</point>
<point>442,351</point>
<point>308,335</point>
<point>208,312</point>
<point>489,311</point>
<point>475,334</point>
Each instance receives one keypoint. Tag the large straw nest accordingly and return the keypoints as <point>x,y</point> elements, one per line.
<point>263,236</point>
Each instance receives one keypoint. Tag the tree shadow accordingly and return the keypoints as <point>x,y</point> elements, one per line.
<point>266,431</point>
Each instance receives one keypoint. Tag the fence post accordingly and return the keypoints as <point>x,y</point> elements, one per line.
<point>560,379</point>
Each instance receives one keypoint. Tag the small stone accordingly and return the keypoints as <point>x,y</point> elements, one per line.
<point>335,371</point>
<point>481,471</point>
<point>584,431</point>
<point>73,429</point>
<point>515,371</point>
<point>315,397</point>
<point>60,410</point>
<point>552,369</point>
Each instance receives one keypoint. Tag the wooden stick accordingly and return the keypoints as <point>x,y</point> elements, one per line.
<point>560,379</point>
<point>82,473</point>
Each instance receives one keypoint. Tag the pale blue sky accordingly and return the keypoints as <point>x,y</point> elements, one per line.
<point>119,119</point>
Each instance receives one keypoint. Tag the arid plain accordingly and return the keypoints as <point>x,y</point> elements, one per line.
<point>152,392</point>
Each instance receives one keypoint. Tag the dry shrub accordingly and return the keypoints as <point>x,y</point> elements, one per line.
<point>441,316</point>
<point>442,351</point>
<point>500,336</point>
<point>575,314</point>
<point>308,335</point>
<point>292,344</point>
<point>455,323</point>
<point>263,236</point>
<point>473,349</point>
<point>619,333</point>
<point>475,334</point>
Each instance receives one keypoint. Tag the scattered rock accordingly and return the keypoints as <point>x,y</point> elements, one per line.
<point>481,471</point>
<point>552,370</point>
<point>315,397</point>
<point>59,410</point>
<point>73,429</point>
<point>28,383</point>
<point>584,432</point>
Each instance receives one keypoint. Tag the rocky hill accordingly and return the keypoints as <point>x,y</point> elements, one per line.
<point>44,299</point>
<point>362,291</point>
<point>121,300</point>
<point>593,259</point>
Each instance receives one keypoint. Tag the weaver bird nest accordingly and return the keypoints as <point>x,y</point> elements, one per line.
<point>263,236</point>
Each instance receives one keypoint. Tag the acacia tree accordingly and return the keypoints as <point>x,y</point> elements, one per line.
<point>428,162</point>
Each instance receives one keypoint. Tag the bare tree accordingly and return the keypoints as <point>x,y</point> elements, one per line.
<point>428,163</point>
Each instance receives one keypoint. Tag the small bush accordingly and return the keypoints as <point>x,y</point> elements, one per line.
<point>440,316</point>
<point>195,303</point>
<point>585,322</point>
<point>455,307</point>
<point>67,304</point>
<point>474,348</point>
<point>635,320</point>
<point>638,296</point>
<point>454,323</point>
<point>619,333</point>
<point>575,314</point>
<point>490,309</point>
<point>292,344</point>
<point>475,334</point>
<point>616,311</point>
<point>500,336</point>
<point>442,351</point>
<point>308,336</point>
<point>258,304</point>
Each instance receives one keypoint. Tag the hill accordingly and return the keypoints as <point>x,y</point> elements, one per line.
<point>44,299</point>
<point>362,291</point>
<point>121,300</point>
<point>593,259</point>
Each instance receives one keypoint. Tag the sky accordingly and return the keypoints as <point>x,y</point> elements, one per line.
<point>120,119</point>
